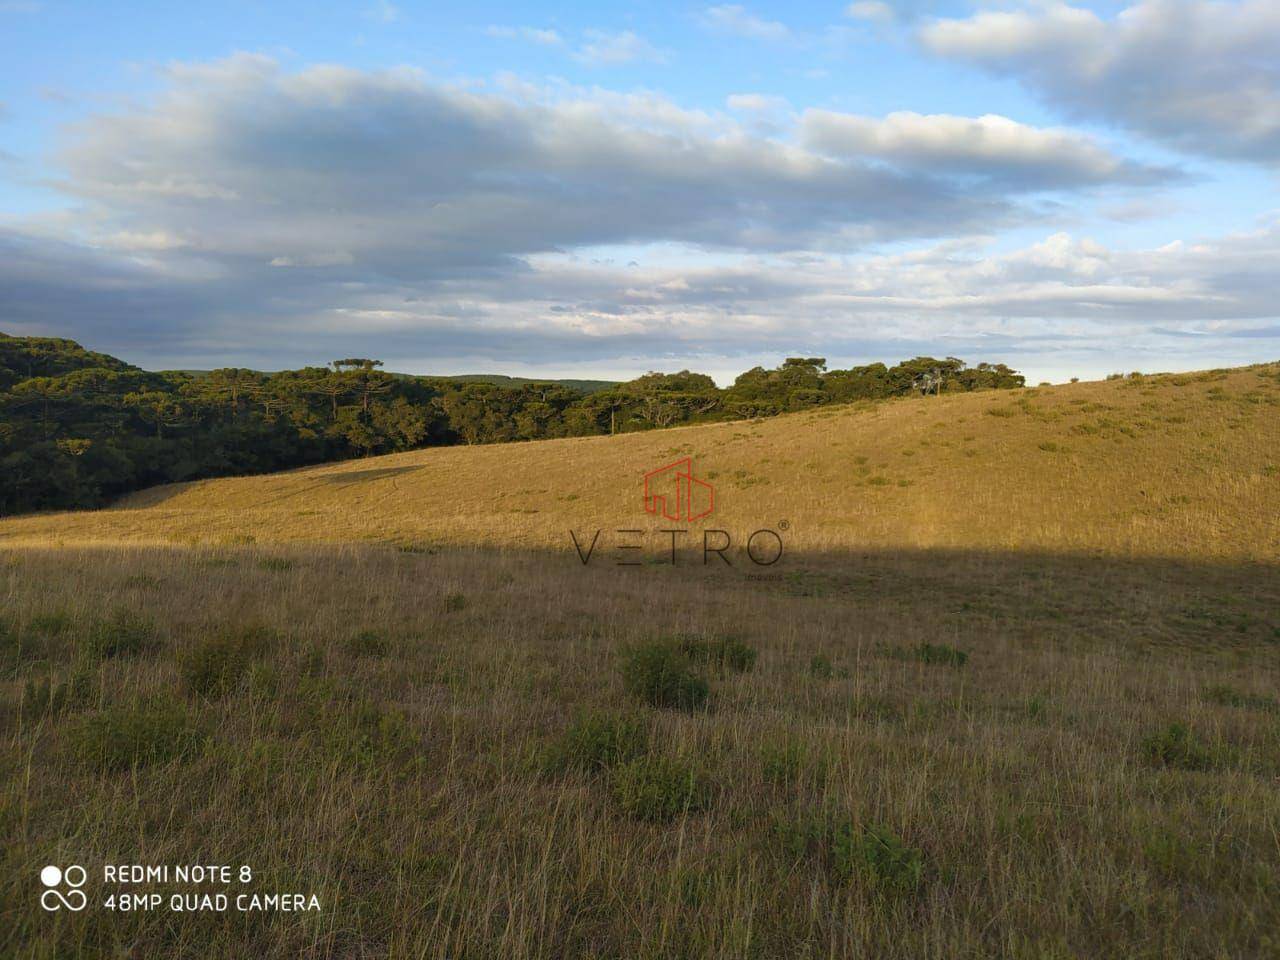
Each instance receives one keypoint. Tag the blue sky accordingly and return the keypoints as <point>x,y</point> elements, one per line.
<point>601,190</point>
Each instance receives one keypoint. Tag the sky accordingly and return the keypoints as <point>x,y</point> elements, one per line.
<point>599,190</point>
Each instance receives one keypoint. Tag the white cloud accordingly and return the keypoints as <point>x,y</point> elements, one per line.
<point>537,35</point>
<point>756,103</point>
<point>876,11</point>
<point>153,241</point>
<point>1061,301</point>
<point>336,258</point>
<point>1199,75</point>
<point>987,146</point>
<point>735,19</point>
<point>284,212</point>
<point>602,48</point>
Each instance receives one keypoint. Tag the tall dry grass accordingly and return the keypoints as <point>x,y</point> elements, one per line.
<point>381,729</point>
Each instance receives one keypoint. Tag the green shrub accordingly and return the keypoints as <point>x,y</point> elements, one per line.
<point>723,653</point>
<point>1170,855</point>
<point>213,667</point>
<point>142,581</point>
<point>47,696</point>
<point>455,601</point>
<point>1176,746</point>
<point>931,653</point>
<point>52,624</point>
<point>807,836</point>
<point>371,736</point>
<point>415,548</point>
<point>781,765</point>
<point>658,789</point>
<point>598,741</point>
<point>660,675</point>
<point>941,653</point>
<point>876,854</point>
<point>369,643</point>
<point>277,563</point>
<point>820,667</point>
<point>10,647</point>
<point>1230,697</point>
<point>118,738</point>
<point>124,633</point>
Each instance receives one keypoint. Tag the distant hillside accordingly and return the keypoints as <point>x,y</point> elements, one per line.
<point>25,358</point>
<point>79,428</point>
<point>1170,465</point>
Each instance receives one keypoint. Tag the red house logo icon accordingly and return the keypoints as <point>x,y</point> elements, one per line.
<point>676,494</point>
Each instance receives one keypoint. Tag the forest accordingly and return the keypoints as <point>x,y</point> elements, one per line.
<point>79,428</point>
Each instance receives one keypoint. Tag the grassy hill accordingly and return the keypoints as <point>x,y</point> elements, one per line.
<point>1010,693</point>
<point>1175,465</point>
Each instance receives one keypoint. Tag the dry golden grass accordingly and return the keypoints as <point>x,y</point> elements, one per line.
<point>1179,466</point>
<point>384,722</point>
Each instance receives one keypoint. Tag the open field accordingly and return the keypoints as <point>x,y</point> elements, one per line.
<point>1184,466</point>
<point>1010,692</point>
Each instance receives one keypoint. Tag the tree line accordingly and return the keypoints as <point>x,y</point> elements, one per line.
<point>78,428</point>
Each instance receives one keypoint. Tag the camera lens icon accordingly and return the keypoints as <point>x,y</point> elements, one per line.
<point>54,898</point>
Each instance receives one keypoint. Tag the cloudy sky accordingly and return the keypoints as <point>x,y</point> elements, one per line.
<point>603,189</point>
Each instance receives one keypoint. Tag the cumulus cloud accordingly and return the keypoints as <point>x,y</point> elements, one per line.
<point>251,164</point>
<point>542,36</point>
<point>1200,75</point>
<point>247,162</point>
<point>735,19</point>
<point>602,48</point>
<point>988,147</point>
<point>255,215</point>
<point>876,11</point>
<point>1062,304</point>
<point>764,114</point>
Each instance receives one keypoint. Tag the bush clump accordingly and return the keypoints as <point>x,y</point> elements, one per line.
<point>657,789</point>
<point>372,736</point>
<point>1177,746</point>
<point>932,654</point>
<point>1228,696</point>
<point>52,624</point>
<point>661,675</point>
<point>369,643</point>
<point>723,653</point>
<point>782,764</point>
<point>155,731</point>
<point>820,667</point>
<point>48,696</point>
<point>125,633</point>
<point>597,742</point>
<point>875,853</point>
<point>10,647</point>
<point>213,667</point>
